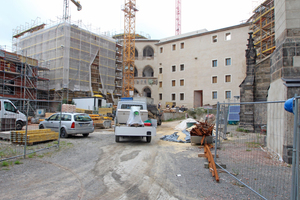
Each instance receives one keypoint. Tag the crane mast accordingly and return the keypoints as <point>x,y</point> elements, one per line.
<point>66,12</point>
<point>129,48</point>
<point>177,17</point>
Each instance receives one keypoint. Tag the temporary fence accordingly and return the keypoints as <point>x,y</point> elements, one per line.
<point>255,150</point>
<point>19,137</point>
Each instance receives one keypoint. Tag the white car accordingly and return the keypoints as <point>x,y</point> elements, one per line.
<point>71,124</point>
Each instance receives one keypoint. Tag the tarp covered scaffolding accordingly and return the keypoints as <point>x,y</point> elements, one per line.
<point>81,63</point>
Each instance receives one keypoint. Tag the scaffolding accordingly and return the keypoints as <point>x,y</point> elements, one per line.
<point>80,62</point>
<point>22,79</point>
<point>263,27</point>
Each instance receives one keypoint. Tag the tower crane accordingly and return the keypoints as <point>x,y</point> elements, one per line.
<point>177,17</point>
<point>129,48</point>
<point>66,8</point>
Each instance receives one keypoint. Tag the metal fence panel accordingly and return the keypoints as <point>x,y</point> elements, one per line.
<point>255,158</point>
<point>18,137</point>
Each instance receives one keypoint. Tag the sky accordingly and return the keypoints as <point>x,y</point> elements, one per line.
<point>155,17</point>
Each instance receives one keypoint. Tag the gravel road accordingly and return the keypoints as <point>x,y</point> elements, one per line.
<point>98,168</point>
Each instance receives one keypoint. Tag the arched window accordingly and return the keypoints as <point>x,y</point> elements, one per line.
<point>136,54</point>
<point>135,72</point>
<point>148,52</point>
<point>147,92</point>
<point>148,71</point>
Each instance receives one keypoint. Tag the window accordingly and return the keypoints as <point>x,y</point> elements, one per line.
<point>181,96</point>
<point>227,36</point>
<point>181,82</point>
<point>160,84</point>
<point>9,107</point>
<point>148,52</point>
<point>160,96</point>
<point>214,95</point>
<point>228,61</point>
<point>228,94</point>
<point>214,38</point>
<point>214,79</point>
<point>160,70</point>
<point>214,63</point>
<point>227,78</point>
<point>173,97</point>
<point>174,68</point>
<point>161,49</point>
<point>182,67</point>
<point>173,83</point>
<point>182,45</point>
<point>174,47</point>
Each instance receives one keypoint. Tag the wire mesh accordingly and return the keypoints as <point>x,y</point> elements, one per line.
<point>256,157</point>
<point>19,137</point>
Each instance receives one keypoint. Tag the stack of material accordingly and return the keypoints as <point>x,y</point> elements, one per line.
<point>79,110</point>
<point>101,121</point>
<point>169,110</point>
<point>68,108</point>
<point>39,135</point>
<point>202,129</point>
<point>202,132</point>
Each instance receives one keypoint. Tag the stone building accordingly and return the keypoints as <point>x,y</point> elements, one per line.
<point>193,69</point>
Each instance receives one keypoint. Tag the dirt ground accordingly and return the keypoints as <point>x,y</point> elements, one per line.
<point>97,167</point>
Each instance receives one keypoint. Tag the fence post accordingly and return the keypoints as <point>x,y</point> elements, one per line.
<point>25,145</point>
<point>217,132</point>
<point>295,161</point>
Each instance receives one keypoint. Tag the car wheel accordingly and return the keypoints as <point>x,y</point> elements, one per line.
<point>41,126</point>
<point>63,133</point>
<point>117,138</point>
<point>19,125</point>
<point>85,135</point>
<point>148,139</point>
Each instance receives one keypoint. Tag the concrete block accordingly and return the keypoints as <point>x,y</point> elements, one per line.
<point>197,139</point>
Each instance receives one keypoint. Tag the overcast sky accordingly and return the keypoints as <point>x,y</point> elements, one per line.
<point>155,17</point>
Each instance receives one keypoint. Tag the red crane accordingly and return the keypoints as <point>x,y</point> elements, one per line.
<point>177,17</point>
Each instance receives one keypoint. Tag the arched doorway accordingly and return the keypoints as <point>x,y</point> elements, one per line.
<point>148,71</point>
<point>147,92</point>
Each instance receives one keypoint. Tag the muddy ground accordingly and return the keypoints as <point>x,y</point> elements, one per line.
<point>99,168</point>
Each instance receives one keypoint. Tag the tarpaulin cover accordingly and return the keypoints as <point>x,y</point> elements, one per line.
<point>174,137</point>
<point>134,116</point>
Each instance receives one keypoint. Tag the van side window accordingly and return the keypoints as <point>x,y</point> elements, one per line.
<point>9,107</point>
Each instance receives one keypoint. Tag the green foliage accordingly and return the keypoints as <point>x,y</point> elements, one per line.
<point>242,130</point>
<point>4,164</point>
<point>17,162</point>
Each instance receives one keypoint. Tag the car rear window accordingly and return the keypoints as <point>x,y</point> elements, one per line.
<point>82,118</point>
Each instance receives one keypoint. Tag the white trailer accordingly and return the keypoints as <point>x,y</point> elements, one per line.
<point>124,129</point>
<point>90,103</point>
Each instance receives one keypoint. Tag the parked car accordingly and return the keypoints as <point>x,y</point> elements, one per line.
<point>71,124</point>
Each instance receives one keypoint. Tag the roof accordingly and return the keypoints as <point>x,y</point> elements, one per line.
<point>198,33</point>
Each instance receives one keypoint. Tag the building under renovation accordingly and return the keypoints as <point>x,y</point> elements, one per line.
<point>81,63</point>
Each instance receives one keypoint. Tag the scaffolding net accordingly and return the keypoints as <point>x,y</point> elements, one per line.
<point>79,60</point>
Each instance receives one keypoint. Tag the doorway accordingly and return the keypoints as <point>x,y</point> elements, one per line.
<point>198,98</point>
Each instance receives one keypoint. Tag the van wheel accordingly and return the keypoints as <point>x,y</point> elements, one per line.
<point>117,138</point>
<point>19,126</point>
<point>148,139</point>
<point>63,133</point>
<point>85,135</point>
<point>41,126</point>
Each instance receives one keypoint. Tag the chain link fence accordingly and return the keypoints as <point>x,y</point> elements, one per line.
<point>18,136</point>
<point>255,150</point>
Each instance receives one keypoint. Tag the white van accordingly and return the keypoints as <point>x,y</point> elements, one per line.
<point>9,111</point>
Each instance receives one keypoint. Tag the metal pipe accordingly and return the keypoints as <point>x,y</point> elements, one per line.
<point>217,130</point>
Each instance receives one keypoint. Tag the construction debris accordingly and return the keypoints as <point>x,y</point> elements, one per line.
<point>202,129</point>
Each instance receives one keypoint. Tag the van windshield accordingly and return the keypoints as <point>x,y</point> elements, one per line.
<point>9,107</point>
<point>128,106</point>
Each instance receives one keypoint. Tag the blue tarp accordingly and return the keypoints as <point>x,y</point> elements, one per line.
<point>174,137</point>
